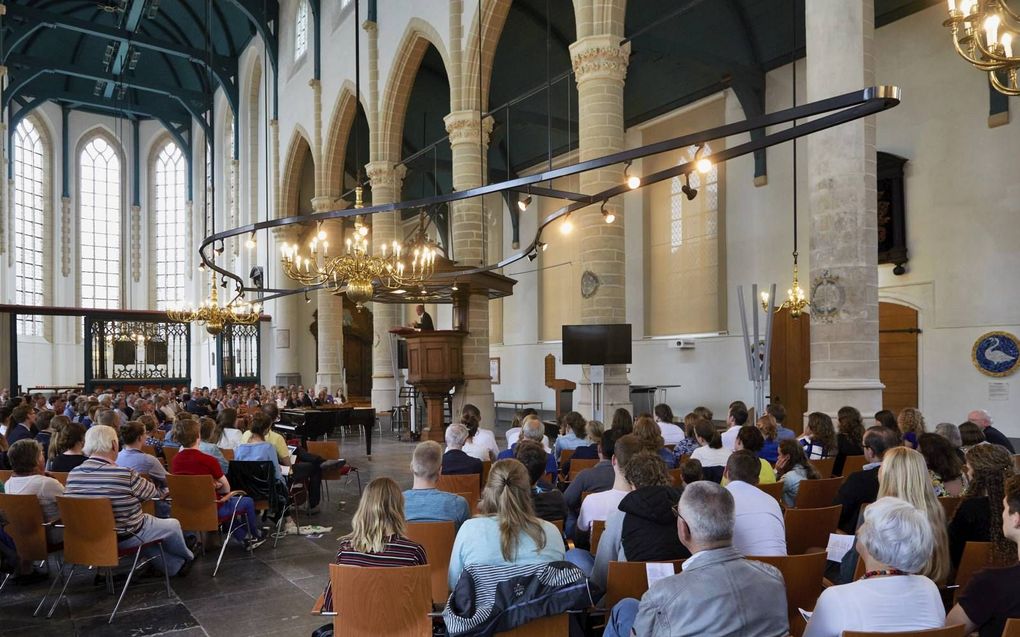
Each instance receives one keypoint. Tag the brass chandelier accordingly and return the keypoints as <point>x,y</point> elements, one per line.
<point>216,316</point>
<point>983,33</point>
<point>356,272</point>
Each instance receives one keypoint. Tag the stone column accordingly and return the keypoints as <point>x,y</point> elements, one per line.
<point>284,312</point>
<point>330,349</point>
<point>600,65</point>
<point>844,236</point>
<point>469,138</point>
<point>387,180</point>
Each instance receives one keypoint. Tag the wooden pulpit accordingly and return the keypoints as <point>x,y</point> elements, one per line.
<point>435,365</point>
<point>564,389</point>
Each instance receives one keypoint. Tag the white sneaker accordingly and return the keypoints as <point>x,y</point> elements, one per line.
<point>291,529</point>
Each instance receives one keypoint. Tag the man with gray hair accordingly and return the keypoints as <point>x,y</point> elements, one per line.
<point>983,419</point>
<point>455,461</point>
<point>532,429</point>
<point>100,477</point>
<point>718,592</point>
<point>423,502</point>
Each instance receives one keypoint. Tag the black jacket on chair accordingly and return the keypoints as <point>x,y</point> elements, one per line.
<point>649,526</point>
<point>859,488</point>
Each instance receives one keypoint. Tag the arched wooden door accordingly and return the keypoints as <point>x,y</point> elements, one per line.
<point>790,368</point>
<point>897,353</point>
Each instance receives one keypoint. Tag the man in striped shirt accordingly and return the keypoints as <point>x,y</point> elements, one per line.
<point>100,477</point>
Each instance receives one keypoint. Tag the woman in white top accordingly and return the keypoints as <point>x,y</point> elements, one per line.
<point>481,443</point>
<point>28,478</point>
<point>228,435</point>
<point>671,432</point>
<point>895,542</point>
<point>711,453</point>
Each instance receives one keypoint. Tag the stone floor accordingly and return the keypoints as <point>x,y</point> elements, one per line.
<point>268,593</point>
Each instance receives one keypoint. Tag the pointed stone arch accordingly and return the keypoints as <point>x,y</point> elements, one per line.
<point>341,123</point>
<point>293,165</point>
<point>254,103</point>
<point>493,19</point>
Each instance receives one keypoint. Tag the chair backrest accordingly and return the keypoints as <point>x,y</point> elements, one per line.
<point>976,556</point>
<point>597,527</point>
<point>327,450</point>
<point>629,579</point>
<point>950,504</point>
<point>5,475</point>
<point>59,476</point>
<point>228,454</point>
<point>946,631</point>
<point>486,468</point>
<point>158,434</point>
<point>815,494</point>
<point>392,601</point>
<point>25,525</point>
<point>580,464</point>
<point>90,536</point>
<point>193,502</point>
<point>774,489</point>
<point>565,456</point>
<point>554,626</point>
<point>437,540</point>
<point>853,464</point>
<point>169,453</point>
<point>467,483</point>
<point>257,478</point>
<point>149,449</point>
<point>558,524</point>
<point>1012,628</point>
<point>808,529</point>
<point>803,576</point>
<point>824,466</point>
<point>676,477</point>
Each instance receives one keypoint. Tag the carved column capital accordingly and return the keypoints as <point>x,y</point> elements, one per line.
<point>463,128</point>
<point>599,57</point>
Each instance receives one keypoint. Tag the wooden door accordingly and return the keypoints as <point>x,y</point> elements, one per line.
<point>790,368</point>
<point>897,354</point>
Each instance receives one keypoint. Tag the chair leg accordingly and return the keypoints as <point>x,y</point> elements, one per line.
<point>166,574</point>
<point>56,580</point>
<point>4,583</point>
<point>138,553</point>
<point>66,582</point>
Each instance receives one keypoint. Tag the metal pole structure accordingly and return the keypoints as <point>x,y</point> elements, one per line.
<point>757,350</point>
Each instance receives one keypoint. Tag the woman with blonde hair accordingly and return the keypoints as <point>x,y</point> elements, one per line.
<point>506,531</point>
<point>378,534</point>
<point>650,437</point>
<point>903,474</point>
<point>911,425</point>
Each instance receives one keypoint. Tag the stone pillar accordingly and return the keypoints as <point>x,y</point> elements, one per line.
<point>469,138</point>
<point>844,236</point>
<point>330,348</point>
<point>284,312</point>
<point>600,65</point>
<point>387,180</point>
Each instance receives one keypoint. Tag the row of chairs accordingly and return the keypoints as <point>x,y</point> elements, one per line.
<point>59,476</point>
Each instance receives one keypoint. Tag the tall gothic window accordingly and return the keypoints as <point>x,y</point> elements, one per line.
<point>29,214</point>
<point>170,248</point>
<point>301,30</point>
<point>99,188</point>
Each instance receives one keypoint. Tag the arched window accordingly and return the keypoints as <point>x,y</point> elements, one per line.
<point>99,188</point>
<point>29,216</point>
<point>301,30</point>
<point>170,247</point>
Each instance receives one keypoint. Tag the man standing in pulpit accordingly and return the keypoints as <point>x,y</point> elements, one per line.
<point>424,322</point>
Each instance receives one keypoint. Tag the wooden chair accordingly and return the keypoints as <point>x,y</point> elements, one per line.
<point>393,601</point>
<point>228,454</point>
<point>853,464</point>
<point>169,453</point>
<point>808,529</point>
<point>158,434</point>
<point>5,475</point>
<point>628,579</point>
<point>803,576</point>
<point>947,631</point>
<point>90,539</point>
<point>976,556</point>
<point>675,477</point>
<point>437,540</point>
<point>554,626</point>
<point>194,504</point>
<point>472,503</point>
<point>824,466</point>
<point>149,449</point>
<point>565,456</point>
<point>816,494</point>
<point>950,504</point>
<point>59,476</point>
<point>597,527</point>
<point>486,467</point>
<point>579,465</point>
<point>467,483</point>
<point>26,527</point>
<point>1012,628</point>
<point>774,489</point>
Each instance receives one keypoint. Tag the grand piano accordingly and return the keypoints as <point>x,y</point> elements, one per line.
<point>312,423</point>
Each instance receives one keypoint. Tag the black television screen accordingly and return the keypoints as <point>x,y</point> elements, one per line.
<point>596,344</point>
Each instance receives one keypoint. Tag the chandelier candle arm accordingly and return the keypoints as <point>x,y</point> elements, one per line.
<point>983,32</point>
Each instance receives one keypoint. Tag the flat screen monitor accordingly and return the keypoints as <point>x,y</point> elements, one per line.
<point>597,344</point>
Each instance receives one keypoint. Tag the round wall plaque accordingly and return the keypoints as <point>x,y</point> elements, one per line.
<point>589,284</point>
<point>996,353</point>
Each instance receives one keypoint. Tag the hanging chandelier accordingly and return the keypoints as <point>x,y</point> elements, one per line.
<point>356,272</point>
<point>983,34</point>
<point>215,316</point>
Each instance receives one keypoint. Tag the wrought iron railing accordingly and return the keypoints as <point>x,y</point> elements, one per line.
<point>238,349</point>
<point>136,351</point>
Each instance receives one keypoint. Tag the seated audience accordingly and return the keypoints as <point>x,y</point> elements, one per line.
<point>192,461</point>
<point>950,432</point>
<point>590,450</point>
<point>944,467</point>
<point>455,461</point>
<point>230,435</point>
<point>514,432</point>
<point>546,499</point>
<point>480,443</point>
<point>792,467</point>
<point>572,433</point>
<point>22,424</point>
<point>648,434</point>
<point>777,411</point>
<point>886,418</point>
<point>423,502</point>
<point>598,506</point>
<point>27,463</point>
<point>100,477</point>
<point>712,453</point>
<point>862,486</point>
<point>594,479</point>
<point>256,447</point>
<point>622,423</point>
<point>983,420</point>
<point>43,425</point>
<point>758,524</point>
<point>911,424</point>
<point>132,456</point>
<point>532,429</point>
<point>736,419</point>
<point>67,448</point>
<point>151,424</point>
<point>896,543</point>
<point>970,435</point>
<point>819,437</point>
<point>849,438</point>
<point>770,438</point>
<point>207,443</point>
<point>690,442</point>
<point>643,529</point>
<point>679,605</point>
<point>378,536</point>
<point>506,530</point>
<point>671,432</point>
<point>750,438</point>
<point>690,471</point>
<point>992,595</point>
<point>979,517</point>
